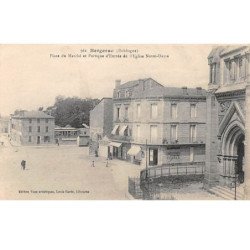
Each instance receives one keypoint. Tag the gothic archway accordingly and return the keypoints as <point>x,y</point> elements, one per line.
<point>232,161</point>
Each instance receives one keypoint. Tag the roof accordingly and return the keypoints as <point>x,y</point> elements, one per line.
<point>134,83</point>
<point>231,87</point>
<point>216,52</point>
<point>33,114</point>
<point>223,50</point>
<point>171,92</point>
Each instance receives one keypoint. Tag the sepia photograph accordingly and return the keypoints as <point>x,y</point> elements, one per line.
<point>124,122</point>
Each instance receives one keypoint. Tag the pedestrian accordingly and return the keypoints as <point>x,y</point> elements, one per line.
<point>93,164</point>
<point>23,164</point>
<point>107,163</point>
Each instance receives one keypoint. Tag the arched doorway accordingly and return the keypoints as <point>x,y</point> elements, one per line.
<point>232,158</point>
<point>240,158</point>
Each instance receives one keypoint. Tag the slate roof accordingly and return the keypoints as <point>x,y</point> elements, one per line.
<point>33,114</point>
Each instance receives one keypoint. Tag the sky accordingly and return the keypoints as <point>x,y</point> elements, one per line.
<point>32,76</point>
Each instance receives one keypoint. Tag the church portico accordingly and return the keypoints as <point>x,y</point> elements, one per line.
<point>228,138</point>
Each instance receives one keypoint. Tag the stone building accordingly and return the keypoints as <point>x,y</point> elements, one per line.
<point>32,128</point>
<point>101,123</point>
<point>228,118</point>
<point>157,125</point>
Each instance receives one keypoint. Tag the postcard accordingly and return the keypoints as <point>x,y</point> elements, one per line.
<point>124,122</point>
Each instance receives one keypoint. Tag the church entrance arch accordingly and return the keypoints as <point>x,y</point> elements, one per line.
<point>232,158</point>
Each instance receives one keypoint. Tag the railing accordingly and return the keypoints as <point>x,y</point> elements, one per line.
<point>197,168</point>
<point>170,142</point>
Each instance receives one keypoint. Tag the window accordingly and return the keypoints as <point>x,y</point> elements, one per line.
<point>30,129</point>
<point>138,110</point>
<point>193,110</point>
<point>192,133</point>
<point>30,120</point>
<point>46,139</point>
<point>241,68</point>
<point>126,112</point>
<point>173,132</point>
<point>38,129</point>
<point>127,93</point>
<point>174,110</point>
<point>118,112</point>
<point>153,134</point>
<point>47,129</point>
<point>47,120</point>
<point>38,120</point>
<point>154,111</point>
<point>191,154</point>
<point>212,77</point>
<point>138,132</point>
<point>231,70</point>
<point>29,138</point>
<point>118,94</point>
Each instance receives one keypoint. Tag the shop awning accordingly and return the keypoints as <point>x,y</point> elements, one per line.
<point>114,129</point>
<point>115,144</point>
<point>134,150</point>
<point>121,132</point>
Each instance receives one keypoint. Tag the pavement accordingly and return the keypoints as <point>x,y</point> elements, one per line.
<point>61,172</point>
<point>66,172</point>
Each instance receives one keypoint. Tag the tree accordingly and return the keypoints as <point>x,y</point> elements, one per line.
<point>72,111</point>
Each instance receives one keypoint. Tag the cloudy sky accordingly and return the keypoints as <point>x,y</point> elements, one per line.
<point>31,77</point>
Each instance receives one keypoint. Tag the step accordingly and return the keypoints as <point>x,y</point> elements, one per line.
<point>226,193</point>
<point>239,192</point>
<point>221,194</point>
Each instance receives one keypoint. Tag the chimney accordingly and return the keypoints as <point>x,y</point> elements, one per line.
<point>184,89</point>
<point>117,83</point>
<point>199,92</point>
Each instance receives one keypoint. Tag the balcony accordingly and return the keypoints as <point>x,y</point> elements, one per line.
<point>121,138</point>
<point>167,141</point>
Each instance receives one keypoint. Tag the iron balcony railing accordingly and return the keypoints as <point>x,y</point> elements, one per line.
<point>196,168</point>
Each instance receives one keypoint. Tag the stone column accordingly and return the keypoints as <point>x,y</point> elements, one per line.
<point>247,133</point>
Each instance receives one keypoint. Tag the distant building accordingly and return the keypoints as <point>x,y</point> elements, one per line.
<point>70,136</point>
<point>158,125</point>
<point>101,124</point>
<point>4,124</point>
<point>32,128</point>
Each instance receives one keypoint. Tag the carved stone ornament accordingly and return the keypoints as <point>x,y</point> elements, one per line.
<point>224,106</point>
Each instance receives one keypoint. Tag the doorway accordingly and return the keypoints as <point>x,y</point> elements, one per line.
<point>38,139</point>
<point>240,159</point>
<point>153,157</point>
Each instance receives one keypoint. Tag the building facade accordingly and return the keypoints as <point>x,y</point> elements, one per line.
<point>4,124</point>
<point>155,125</point>
<point>101,123</point>
<point>32,128</point>
<point>228,120</point>
<point>72,136</point>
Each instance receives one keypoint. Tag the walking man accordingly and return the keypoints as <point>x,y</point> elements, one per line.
<point>23,164</point>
